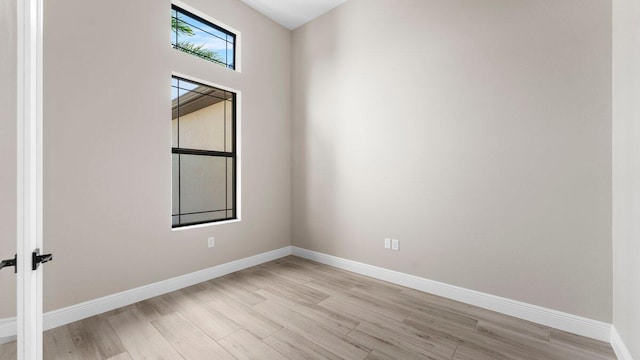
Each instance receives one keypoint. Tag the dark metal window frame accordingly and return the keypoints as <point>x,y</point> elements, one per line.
<point>209,23</point>
<point>232,155</point>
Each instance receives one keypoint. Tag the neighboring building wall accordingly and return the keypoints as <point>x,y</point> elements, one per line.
<point>626,172</point>
<point>108,68</point>
<point>476,132</point>
<point>205,129</point>
<point>8,153</point>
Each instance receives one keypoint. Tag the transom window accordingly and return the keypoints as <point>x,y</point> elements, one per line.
<point>196,36</point>
<point>203,153</point>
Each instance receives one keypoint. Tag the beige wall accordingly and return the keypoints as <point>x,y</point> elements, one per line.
<point>626,172</point>
<point>476,132</point>
<point>108,136</point>
<point>7,153</point>
<point>491,165</point>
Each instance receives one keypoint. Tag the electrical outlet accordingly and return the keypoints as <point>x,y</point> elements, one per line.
<point>211,242</point>
<point>387,243</point>
<point>395,244</point>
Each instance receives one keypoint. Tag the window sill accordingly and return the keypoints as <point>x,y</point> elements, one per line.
<point>217,223</point>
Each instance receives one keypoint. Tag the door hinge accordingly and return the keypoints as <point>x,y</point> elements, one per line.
<point>38,259</point>
<point>10,262</point>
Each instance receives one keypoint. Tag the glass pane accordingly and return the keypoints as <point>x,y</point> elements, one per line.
<point>174,133</point>
<point>203,217</point>
<point>200,26</point>
<point>228,117</point>
<point>174,93</point>
<point>201,38</point>
<point>218,34</point>
<point>230,184</point>
<point>202,128</point>
<point>174,37</point>
<point>175,185</point>
<point>174,28</point>
<point>203,183</point>
<point>184,84</point>
<point>203,119</point>
<point>182,92</point>
<point>201,123</point>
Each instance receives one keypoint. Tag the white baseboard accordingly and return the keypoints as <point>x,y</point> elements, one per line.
<point>8,330</point>
<point>553,318</point>
<point>618,346</point>
<point>560,320</point>
<point>90,308</point>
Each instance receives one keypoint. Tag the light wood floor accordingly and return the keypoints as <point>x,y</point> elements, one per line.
<point>297,309</point>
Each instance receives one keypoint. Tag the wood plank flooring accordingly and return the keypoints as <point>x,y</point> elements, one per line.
<point>293,309</point>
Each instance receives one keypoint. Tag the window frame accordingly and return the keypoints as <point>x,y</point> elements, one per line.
<point>218,25</point>
<point>236,151</point>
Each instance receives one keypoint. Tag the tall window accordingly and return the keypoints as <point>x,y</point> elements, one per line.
<point>196,36</point>
<point>204,153</point>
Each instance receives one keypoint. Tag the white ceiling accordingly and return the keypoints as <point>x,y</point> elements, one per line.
<point>293,13</point>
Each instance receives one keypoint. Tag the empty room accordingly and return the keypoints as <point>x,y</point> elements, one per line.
<point>320,179</point>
